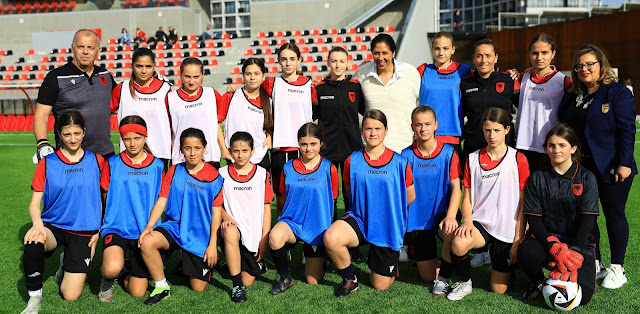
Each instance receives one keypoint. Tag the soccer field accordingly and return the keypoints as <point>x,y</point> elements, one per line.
<point>407,295</point>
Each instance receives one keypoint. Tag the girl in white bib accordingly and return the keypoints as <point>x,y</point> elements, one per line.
<point>494,181</point>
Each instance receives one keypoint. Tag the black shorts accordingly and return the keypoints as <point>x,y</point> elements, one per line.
<point>422,243</point>
<point>137,267</point>
<point>498,250</point>
<point>192,265</point>
<point>309,250</point>
<point>77,252</point>
<point>278,159</point>
<point>381,260</point>
<point>249,262</point>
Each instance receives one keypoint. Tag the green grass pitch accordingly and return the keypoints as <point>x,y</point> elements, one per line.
<point>407,295</point>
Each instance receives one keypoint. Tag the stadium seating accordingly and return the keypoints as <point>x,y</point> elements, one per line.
<point>37,6</point>
<point>134,4</point>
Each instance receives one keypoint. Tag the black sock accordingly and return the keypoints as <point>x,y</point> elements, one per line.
<point>236,280</point>
<point>462,265</point>
<point>33,263</point>
<point>281,259</point>
<point>446,268</point>
<point>348,273</point>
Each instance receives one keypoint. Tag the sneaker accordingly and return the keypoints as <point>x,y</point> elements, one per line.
<point>239,294</point>
<point>404,255</point>
<point>157,295</point>
<point>601,271</point>
<point>534,291</point>
<point>33,306</point>
<point>615,277</point>
<point>460,290</point>
<point>481,259</point>
<point>346,287</point>
<point>59,272</point>
<point>106,290</point>
<point>440,286</point>
<point>282,285</point>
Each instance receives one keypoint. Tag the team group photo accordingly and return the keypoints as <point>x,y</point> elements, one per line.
<point>320,156</point>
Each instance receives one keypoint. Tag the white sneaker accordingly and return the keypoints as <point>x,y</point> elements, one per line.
<point>615,277</point>
<point>59,272</point>
<point>460,290</point>
<point>404,255</point>
<point>33,306</point>
<point>440,286</point>
<point>601,271</point>
<point>480,259</point>
<point>106,290</point>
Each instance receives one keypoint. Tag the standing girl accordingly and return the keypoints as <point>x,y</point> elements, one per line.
<point>195,106</point>
<point>144,95</point>
<point>561,206</point>
<point>494,181</point>
<point>309,185</point>
<point>436,171</point>
<point>541,90</point>
<point>67,183</point>
<point>440,88</point>
<point>132,179</point>
<point>249,109</point>
<point>246,217</point>
<point>381,188</point>
<point>192,194</point>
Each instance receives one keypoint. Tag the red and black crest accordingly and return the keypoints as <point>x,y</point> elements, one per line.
<point>500,87</point>
<point>103,80</point>
<point>577,189</point>
<point>108,239</point>
<point>352,96</point>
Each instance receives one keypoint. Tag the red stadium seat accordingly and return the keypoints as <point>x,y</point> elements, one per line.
<point>53,6</point>
<point>323,49</point>
<point>27,7</point>
<point>40,76</point>
<point>111,49</point>
<point>127,48</point>
<point>30,52</point>
<point>274,70</point>
<point>296,33</point>
<point>72,5</point>
<point>351,30</point>
<point>111,41</point>
<point>63,6</point>
<point>3,121</point>
<point>368,57</point>
<point>319,40</point>
<point>237,81</point>
<point>19,124</point>
<point>353,67</point>
<point>235,70</point>
<point>278,34</point>
<point>263,43</point>
<point>44,59</point>
<point>178,63</point>
<point>1,13</point>
<point>63,51</point>
<point>193,46</point>
<point>3,53</point>
<point>337,40</point>
<point>111,57</point>
<point>213,62</point>
<point>261,35</point>
<point>211,45</point>
<point>44,7</point>
<point>18,8</point>
<point>193,37</point>
<point>370,30</point>
<point>176,46</point>
<point>51,123</point>
<point>110,66</point>
<point>159,47</point>
<point>333,31</point>
<point>126,74</point>
<point>28,123</point>
<point>248,52</point>
<point>160,55</point>
<point>161,64</point>
<point>212,53</point>
<point>24,77</point>
<point>270,60</point>
<point>225,36</point>
<point>11,68</point>
<point>177,55</point>
<point>308,59</point>
<point>389,29</point>
<point>314,32</point>
<point>357,39</point>
<point>300,41</point>
<point>227,44</point>
<point>10,123</point>
<point>282,42</point>
<point>304,49</point>
<point>113,122</point>
<point>362,48</point>
<point>26,68</point>
<point>8,9</point>
<point>267,51</point>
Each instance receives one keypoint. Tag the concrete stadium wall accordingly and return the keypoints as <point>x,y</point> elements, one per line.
<point>289,15</point>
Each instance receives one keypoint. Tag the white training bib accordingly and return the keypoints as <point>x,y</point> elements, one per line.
<point>244,202</point>
<point>152,109</point>
<point>495,194</point>
<point>201,114</point>
<point>291,109</point>
<point>245,116</point>
<point>538,110</point>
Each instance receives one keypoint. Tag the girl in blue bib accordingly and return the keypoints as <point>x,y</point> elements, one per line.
<point>310,185</point>
<point>67,184</point>
<point>133,182</point>
<point>192,194</point>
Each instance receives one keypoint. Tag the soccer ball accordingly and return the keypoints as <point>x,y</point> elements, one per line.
<point>561,295</point>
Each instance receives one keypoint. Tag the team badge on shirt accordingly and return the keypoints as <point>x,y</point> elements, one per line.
<point>605,108</point>
<point>352,96</point>
<point>500,87</point>
<point>103,80</point>
<point>577,189</point>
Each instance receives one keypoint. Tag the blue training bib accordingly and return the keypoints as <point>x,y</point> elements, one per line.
<point>442,93</point>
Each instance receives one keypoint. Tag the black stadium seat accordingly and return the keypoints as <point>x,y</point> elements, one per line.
<point>169,64</point>
<point>287,33</point>
<point>342,31</point>
<point>207,72</point>
<point>221,53</point>
<point>228,81</point>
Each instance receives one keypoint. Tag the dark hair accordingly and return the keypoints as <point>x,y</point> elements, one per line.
<point>241,136</point>
<point>192,132</point>
<point>191,61</point>
<point>376,114</point>
<point>423,109</point>
<point>485,42</point>
<point>607,76</point>
<point>543,37</point>
<point>68,119</point>
<point>496,115</point>
<point>567,133</point>
<point>312,130</point>
<point>383,38</point>
<point>133,119</point>
<point>338,49</point>
<point>292,47</point>
<point>267,124</point>
<point>139,53</point>
<point>442,35</point>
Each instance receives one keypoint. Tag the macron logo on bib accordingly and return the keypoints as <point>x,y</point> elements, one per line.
<point>296,91</point>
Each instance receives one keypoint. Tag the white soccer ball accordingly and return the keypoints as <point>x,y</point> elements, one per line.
<point>561,295</point>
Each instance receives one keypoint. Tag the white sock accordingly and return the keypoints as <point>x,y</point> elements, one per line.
<point>162,283</point>
<point>36,293</point>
